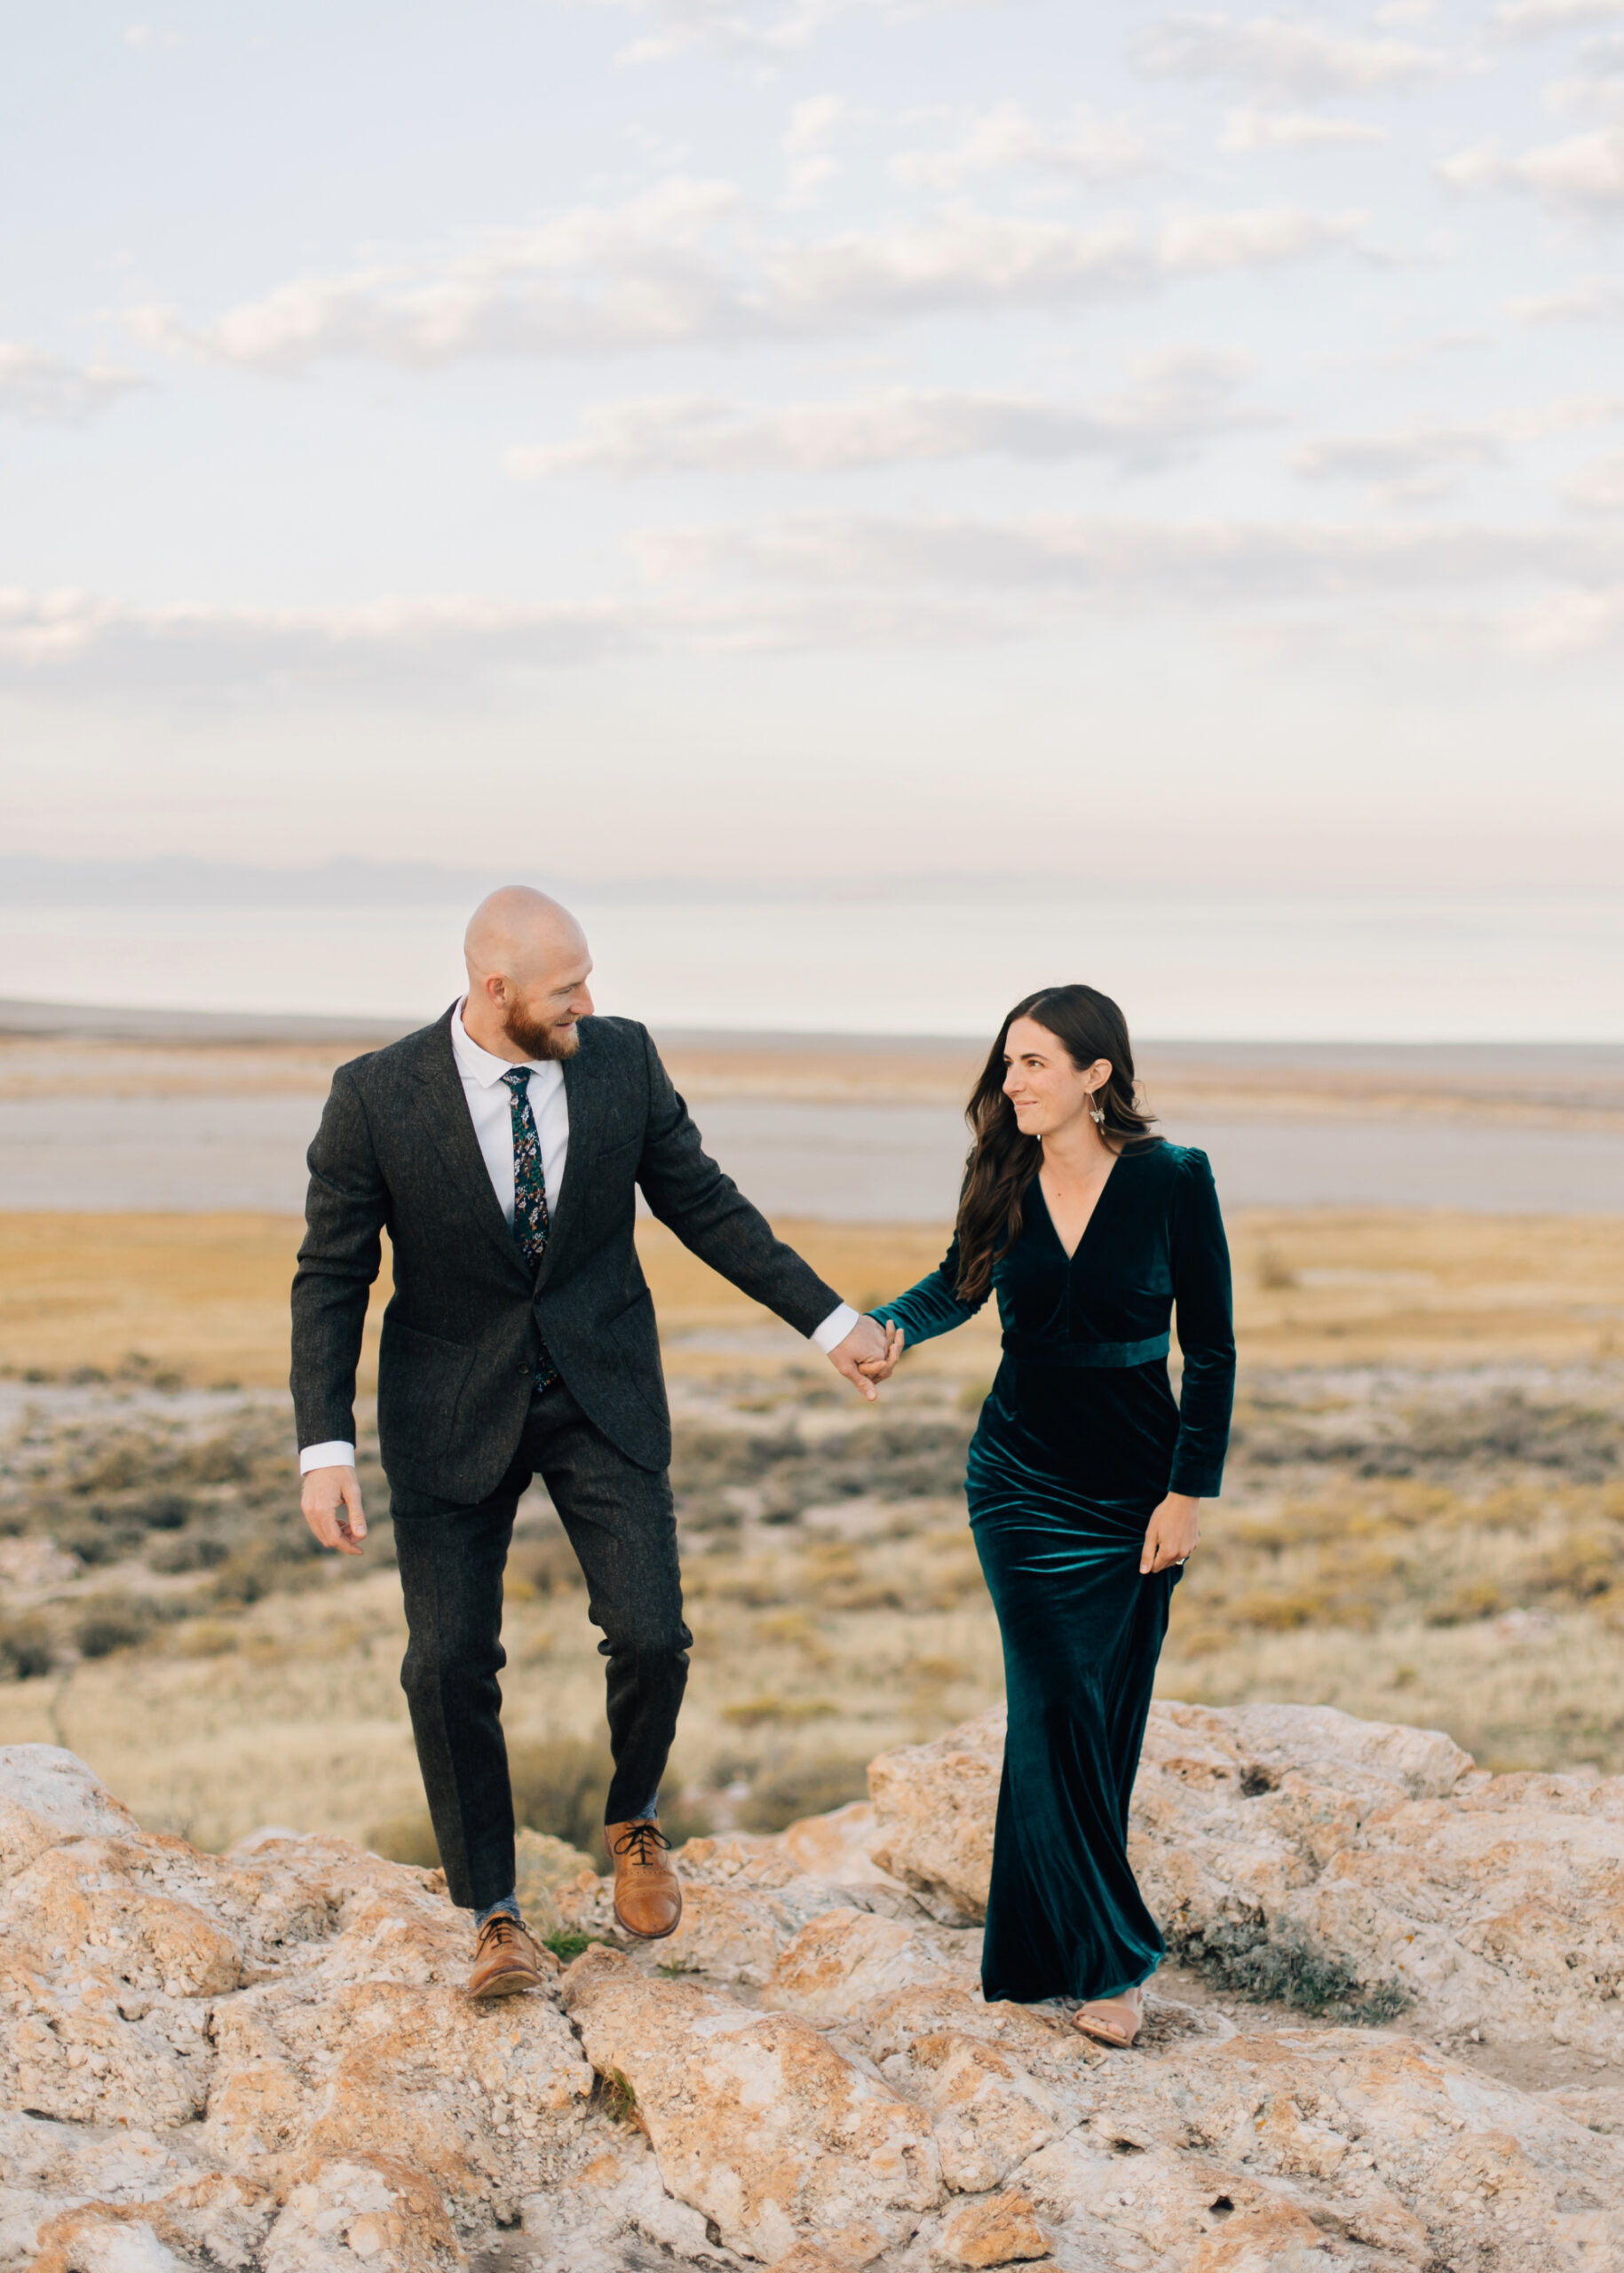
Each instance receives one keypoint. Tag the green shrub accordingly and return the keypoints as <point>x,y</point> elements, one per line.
<point>219,1460</point>
<point>558,1787</point>
<point>566,1944</point>
<point>25,1649</point>
<point>192,1551</point>
<point>814,1788</point>
<point>1290,1968</point>
<point>405,1839</point>
<point>111,1621</point>
<point>268,1565</point>
<point>161,1511</point>
<point>546,1564</point>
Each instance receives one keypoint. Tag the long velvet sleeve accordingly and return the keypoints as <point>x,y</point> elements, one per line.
<point>1206,1333</point>
<point>932,1307</point>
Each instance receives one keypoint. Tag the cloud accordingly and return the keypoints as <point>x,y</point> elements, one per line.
<point>1409,463</point>
<point>1405,464</point>
<point>1533,18</point>
<point>1007,137</point>
<point>1206,242</point>
<point>1122,563</point>
<point>203,648</point>
<point>1594,93</point>
<point>1587,170</point>
<point>595,278</point>
<point>1569,623</point>
<point>823,581</point>
<point>1174,402</point>
<point>49,391</point>
<point>1598,487</point>
<point>1294,129</point>
<point>814,126</point>
<point>677,266</point>
<point>1286,53</point>
<point>1595,299</point>
<point>738,27</point>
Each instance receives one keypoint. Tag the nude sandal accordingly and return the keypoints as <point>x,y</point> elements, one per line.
<point>1093,2022</point>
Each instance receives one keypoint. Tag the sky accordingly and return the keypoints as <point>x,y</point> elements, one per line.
<point>771,439</point>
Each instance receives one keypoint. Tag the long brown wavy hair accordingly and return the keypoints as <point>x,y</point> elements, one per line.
<point>1087,1026</point>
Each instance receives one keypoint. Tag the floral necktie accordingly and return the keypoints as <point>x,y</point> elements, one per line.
<point>531,1222</point>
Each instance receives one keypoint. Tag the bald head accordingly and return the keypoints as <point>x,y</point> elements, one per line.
<point>528,969</point>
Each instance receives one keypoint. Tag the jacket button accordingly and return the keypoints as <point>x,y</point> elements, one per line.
<point>524,1369</point>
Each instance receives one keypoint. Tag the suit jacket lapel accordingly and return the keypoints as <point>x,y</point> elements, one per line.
<point>452,1130</point>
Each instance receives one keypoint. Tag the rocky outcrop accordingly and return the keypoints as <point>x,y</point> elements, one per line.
<point>760,2123</point>
<point>1291,1851</point>
<point>265,2060</point>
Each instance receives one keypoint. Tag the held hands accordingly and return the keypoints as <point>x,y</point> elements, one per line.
<point>867,1355</point>
<point>331,1501</point>
<point>881,1369</point>
<point>1173,1534</point>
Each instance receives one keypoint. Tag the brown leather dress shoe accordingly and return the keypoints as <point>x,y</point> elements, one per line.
<point>647,1898</point>
<point>508,1959</point>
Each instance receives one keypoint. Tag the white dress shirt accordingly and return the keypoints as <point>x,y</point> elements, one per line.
<point>490,1104</point>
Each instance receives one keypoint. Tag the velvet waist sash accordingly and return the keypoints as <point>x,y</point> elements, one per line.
<point>1041,1351</point>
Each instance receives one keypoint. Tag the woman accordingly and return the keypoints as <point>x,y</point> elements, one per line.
<point>1085,1475</point>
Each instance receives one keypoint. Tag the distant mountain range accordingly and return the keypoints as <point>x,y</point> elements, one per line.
<point>171,881</point>
<point>174,880</point>
<point>180,882</point>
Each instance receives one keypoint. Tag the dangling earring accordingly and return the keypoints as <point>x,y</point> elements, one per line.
<point>1097,1111</point>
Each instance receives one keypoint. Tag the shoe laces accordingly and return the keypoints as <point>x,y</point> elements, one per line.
<point>500,1932</point>
<point>642,1841</point>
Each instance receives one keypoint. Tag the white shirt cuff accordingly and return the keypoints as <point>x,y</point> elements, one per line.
<point>834,1327</point>
<point>334,1455</point>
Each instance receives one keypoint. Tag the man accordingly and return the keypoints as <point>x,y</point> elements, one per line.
<point>503,1146</point>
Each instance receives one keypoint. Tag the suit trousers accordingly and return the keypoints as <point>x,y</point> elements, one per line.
<point>620,1522</point>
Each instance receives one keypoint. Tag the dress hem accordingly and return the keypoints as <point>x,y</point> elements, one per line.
<point>1076,1997</point>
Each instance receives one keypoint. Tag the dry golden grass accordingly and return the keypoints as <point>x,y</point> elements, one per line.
<point>206,1296</point>
<point>1545,1693</point>
<point>202,1296</point>
<point>813,1650</point>
<point>291,1712</point>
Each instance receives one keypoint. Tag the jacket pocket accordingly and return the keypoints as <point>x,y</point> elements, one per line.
<point>421,1380</point>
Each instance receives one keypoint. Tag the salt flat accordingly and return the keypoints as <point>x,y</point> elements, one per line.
<point>833,1129</point>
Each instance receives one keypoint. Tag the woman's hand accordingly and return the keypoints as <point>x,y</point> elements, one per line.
<point>881,1369</point>
<point>1174,1534</point>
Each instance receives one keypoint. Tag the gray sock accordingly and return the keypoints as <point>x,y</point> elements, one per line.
<point>508,1907</point>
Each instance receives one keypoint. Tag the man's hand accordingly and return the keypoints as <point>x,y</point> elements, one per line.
<point>867,1344</point>
<point>331,1501</point>
<point>1173,1534</point>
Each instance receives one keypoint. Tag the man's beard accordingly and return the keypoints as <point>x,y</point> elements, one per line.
<point>540,1041</point>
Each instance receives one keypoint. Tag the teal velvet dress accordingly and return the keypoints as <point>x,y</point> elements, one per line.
<point>1079,1442</point>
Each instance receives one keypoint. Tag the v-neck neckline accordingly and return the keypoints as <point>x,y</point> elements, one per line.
<point>1072,1254</point>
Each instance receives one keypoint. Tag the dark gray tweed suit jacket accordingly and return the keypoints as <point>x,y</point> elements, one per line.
<point>396,1151</point>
